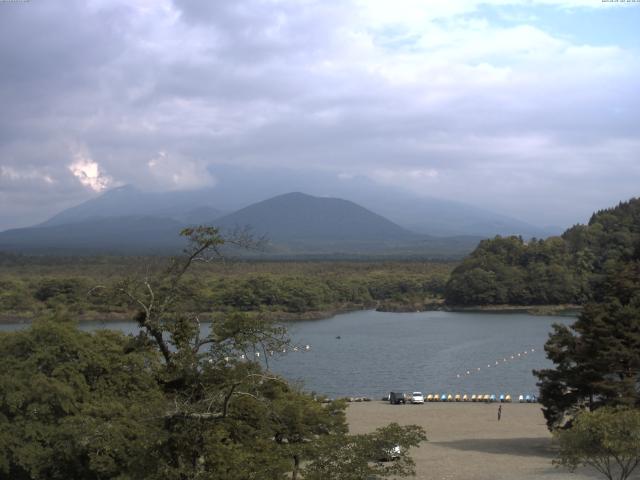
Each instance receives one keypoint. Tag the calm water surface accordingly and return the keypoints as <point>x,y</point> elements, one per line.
<point>378,352</point>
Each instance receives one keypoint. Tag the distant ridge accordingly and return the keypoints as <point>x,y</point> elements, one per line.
<point>109,235</point>
<point>294,224</point>
<point>238,188</point>
<point>186,207</point>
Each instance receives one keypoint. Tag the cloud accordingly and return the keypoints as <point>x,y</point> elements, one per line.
<point>88,172</point>
<point>414,14</point>
<point>12,175</point>
<point>417,179</point>
<point>433,97</point>
<point>173,172</point>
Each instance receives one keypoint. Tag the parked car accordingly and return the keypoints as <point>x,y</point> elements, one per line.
<point>417,397</point>
<point>396,398</point>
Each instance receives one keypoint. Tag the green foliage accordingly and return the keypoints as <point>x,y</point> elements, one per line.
<point>557,270</point>
<point>597,359</point>
<point>275,287</point>
<point>607,440</point>
<point>77,405</point>
<point>14,296</point>
<point>358,457</point>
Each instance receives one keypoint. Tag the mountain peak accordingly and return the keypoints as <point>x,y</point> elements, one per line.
<point>295,223</point>
<point>298,216</point>
<point>295,196</point>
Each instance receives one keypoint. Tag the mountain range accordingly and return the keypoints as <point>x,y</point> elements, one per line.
<point>127,220</point>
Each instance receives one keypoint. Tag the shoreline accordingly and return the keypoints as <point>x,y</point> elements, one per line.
<point>286,317</point>
<point>111,317</point>
<point>563,309</point>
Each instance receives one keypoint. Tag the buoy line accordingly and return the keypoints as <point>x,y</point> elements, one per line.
<point>506,359</point>
<point>269,353</point>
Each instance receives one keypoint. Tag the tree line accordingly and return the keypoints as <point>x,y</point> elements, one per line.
<point>559,270</point>
<point>256,287</point>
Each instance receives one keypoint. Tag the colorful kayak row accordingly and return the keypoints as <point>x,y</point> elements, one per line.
<point>480,398</point>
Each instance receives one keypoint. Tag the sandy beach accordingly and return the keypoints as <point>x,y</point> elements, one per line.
<point>467,442</point>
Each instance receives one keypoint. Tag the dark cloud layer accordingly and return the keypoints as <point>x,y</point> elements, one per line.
<point>435,101</point>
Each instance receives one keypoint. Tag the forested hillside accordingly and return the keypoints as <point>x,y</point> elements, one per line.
<point>565,269</point>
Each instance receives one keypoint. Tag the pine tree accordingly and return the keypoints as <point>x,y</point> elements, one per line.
<point>598,357</point>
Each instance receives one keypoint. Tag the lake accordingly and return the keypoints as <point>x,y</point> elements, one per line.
<point>427,351</point>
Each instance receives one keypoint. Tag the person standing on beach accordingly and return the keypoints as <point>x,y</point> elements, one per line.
<point>499,412</point>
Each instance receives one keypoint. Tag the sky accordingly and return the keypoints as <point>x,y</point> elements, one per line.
<point>526,107</point>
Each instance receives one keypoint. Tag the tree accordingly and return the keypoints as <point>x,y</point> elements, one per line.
<point>222,422</point>
<point>77,405</point>
<point>556,270</point>
<point>597,359</point>
<point>169,404</point>
<point>607,440</point>
<point>591,397</point>
<point>358,457</point>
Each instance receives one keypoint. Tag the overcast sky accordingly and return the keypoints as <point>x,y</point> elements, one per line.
<point>530,108</point>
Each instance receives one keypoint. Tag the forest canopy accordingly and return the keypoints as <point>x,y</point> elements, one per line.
<point>558,270</point>
<point>31,286</point>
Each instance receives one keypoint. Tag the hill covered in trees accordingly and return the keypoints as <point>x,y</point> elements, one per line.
<point>565,269</point>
